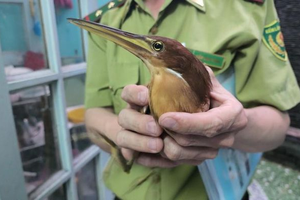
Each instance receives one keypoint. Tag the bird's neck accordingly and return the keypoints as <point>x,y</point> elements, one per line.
<point>169,92</point>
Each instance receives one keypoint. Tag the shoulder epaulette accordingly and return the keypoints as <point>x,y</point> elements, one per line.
<point>257,1</point>
<point>96,15</point>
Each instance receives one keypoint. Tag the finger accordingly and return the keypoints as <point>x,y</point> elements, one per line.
<point>204,124</point>
<point>213,78</point>
<point>135,94</point>
<point>222,96</point>
<point>176,152</point>
<point>127,153</point>
<point>224,140</point>
<point>134,107</point>
<point>145,124</point>
<point>218,88</point>
<point>155,160</point>
<point>141,143</point>
<point>211,123</point>
<point>190,162</point>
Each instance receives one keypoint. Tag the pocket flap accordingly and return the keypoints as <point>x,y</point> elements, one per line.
<point>124,74</point>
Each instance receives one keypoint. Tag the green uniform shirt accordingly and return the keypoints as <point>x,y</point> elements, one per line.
<point>247,37</point>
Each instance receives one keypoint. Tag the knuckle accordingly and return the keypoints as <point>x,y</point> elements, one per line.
<point>185,141</point>
<point>128,120</point>
<point>120,139</point>
<point>121,117</point>
<point>210,133</point>
<point>237,108</point>
<point>209,70</point>
<point>218,124</point>
<point>244,121</point>
<point>190,129</point>
<point>212,77</point>
<point>182,141</point>
<point>129,93</point>
<point>173,154</point>
<point>183,125</point>
<point>124,94</point>
<point>215,127</point>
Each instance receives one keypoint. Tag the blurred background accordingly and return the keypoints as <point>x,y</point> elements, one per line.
<point>44,149</point>
<point>45,152</point>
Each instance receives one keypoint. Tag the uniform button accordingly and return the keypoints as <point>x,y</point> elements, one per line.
<point>154,30</point>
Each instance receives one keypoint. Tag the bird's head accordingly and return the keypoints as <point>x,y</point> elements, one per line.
<point>161,55</point>
<point>154,51</point>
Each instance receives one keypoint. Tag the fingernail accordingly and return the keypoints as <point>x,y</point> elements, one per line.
<point>152,145</point>
<point>142,96</point>
<point>169,123</point>
<point>152,127</point>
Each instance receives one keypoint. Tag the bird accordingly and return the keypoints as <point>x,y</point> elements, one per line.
<point>179,81</point>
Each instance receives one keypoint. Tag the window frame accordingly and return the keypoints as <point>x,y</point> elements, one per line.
<point>54,76</point>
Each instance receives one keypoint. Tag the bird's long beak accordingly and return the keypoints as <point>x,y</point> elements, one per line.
<point>137,44</point>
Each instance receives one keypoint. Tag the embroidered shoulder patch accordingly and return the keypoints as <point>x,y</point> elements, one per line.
<point>96,15</point>
<point>273,39</point>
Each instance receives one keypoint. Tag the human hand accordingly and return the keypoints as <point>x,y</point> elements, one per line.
<point>140,131</point>
<point>198,136</point>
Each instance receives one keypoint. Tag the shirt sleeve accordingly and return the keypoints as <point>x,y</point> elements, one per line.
<point>261,77</point>
<point>97,91</point>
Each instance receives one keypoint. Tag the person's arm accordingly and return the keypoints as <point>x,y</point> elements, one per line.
<point>101,121</point>
<point>265,130</point>
<point>99,117</point>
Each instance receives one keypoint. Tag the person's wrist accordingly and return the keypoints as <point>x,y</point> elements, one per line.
<point>239,139</point>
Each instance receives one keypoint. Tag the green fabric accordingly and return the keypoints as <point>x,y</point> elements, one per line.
<point>179,183</point>
<point>232,29</point>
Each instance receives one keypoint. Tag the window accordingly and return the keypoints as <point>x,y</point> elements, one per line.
<point>42,76</point>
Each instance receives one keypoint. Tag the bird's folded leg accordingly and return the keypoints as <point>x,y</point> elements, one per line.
<point>114,149</point>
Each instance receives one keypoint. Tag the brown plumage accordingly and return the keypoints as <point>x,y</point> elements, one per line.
<point>179,81</point>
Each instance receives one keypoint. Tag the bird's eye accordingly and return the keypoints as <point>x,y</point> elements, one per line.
<point>158,46</point>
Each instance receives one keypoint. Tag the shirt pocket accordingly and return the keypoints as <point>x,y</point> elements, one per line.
<point>120,75</point>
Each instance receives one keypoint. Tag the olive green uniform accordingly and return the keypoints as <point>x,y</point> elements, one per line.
<point>232,34</point>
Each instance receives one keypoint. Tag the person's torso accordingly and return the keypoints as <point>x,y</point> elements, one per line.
<point>214,30</point>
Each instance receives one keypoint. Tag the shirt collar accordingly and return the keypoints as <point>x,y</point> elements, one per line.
<point>199,4</point>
